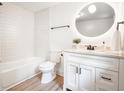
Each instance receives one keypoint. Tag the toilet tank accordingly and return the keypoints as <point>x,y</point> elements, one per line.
<point>55,56</point>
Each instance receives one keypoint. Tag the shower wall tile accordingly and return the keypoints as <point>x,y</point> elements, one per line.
<point>16,33</point>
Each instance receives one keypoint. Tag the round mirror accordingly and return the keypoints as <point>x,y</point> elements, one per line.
<point>95,19</point>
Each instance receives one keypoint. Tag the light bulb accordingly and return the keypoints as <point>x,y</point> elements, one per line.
<point>92,9</point>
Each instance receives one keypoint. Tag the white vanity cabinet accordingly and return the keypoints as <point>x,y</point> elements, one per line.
<point>90,73</point>
<point>106,80</point>
<point>86,78</point>
<point>79,77</point>
<point>72,75</point>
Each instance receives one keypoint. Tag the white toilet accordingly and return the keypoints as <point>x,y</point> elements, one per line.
<point>48,68</point>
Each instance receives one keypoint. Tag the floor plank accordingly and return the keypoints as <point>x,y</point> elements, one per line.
<point>34,84</point>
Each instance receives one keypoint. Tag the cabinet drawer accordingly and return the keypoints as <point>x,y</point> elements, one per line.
<point>106,80</point>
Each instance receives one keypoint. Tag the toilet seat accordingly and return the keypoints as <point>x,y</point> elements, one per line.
<point>46,65</point>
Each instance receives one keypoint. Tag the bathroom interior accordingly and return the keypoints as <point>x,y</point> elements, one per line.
<point>62,46</point>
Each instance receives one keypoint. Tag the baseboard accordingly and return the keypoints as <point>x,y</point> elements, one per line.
<point>20,82</point>
<point>60,74</point>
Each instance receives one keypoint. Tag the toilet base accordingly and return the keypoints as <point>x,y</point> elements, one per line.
<point>47,77</point>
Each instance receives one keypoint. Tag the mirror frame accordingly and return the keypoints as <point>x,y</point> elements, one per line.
<point>113,27</point>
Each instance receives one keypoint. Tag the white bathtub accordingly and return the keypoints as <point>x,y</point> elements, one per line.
<point>11,73</point>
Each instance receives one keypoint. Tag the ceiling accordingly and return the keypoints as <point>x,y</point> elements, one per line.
<point>35,6</point>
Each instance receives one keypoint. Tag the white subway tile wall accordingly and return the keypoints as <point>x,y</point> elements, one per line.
<point>16,33</point>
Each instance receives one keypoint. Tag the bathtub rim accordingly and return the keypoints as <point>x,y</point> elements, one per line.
<point>22,61</point>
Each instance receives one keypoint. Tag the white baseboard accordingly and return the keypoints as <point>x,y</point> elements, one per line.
<point>59,73</point>
<point>20,82</point>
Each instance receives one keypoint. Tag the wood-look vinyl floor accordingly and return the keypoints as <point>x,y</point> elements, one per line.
<point>34,84</point>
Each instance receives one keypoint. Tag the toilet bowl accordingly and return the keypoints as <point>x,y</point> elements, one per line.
<point>48,68</point>
<point>48,72</point>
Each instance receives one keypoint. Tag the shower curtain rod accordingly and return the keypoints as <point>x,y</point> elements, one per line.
<point>60,27</point>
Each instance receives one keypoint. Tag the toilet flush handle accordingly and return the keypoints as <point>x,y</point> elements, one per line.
<point>61,54</point>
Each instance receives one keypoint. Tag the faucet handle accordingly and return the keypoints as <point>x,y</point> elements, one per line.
<point>88,47</point>
<point>93,47</point>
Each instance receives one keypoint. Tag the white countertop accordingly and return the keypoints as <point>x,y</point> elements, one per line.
<point>102,53</point>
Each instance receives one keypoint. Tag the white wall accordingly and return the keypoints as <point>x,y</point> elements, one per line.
<point>122,26</point>
<point>42,33</point>
<point>16,32</point>
<point>60,15</point>
<point>64,13</point>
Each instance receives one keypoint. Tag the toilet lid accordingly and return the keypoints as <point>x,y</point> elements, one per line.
<point>47,65</point>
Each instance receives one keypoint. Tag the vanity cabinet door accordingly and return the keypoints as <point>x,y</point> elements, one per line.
<point>86,78</point>
<point>72,76</point>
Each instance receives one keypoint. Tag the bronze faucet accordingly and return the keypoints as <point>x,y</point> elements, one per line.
<point>90,47</point>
